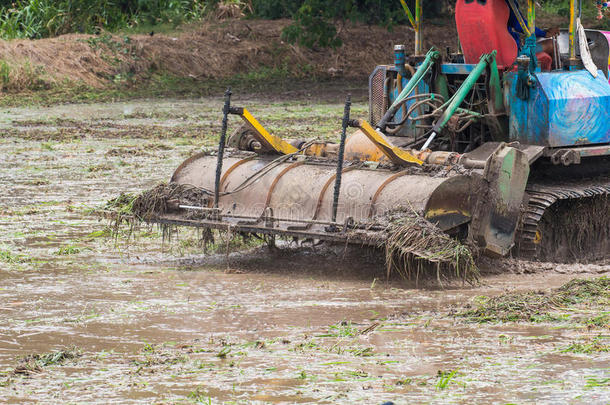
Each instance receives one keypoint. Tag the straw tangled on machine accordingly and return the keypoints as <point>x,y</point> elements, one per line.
<point>416,248</point>
<point>154,202</point>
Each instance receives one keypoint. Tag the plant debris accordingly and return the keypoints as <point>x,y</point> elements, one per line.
<point>597,344</point>
<point>534,306</point>
<point>150,204</point>
<point>35,363</point>
<point>417,248</point>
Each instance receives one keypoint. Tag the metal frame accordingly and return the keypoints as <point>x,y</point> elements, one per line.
<point>349,233</point>
<point>529,26</point>
<point>416,24</point>
<point>531,16</point>
<point>272,142</point>
<point>394,154</point>
<point>573,19</point>
<point>525,26</point>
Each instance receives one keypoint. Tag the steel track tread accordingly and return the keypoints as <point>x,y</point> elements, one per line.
<point>544,195</point>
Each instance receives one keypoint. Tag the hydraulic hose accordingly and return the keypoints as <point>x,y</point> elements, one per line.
<point>454,103</point>
<point>431,57</point>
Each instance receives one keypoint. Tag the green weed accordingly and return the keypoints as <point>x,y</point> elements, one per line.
<point>106,232</point>
<point>594,382</point>
<point>362,352</point>
<point>148,348</point>
<point>445,378</point>
<point>46,146</point>
<point>102,167</point>
<point>405,381</point>
<point>602,320</point>
<point>36,362</point>
<point>68,250</point>
<point>9,257</point>
<point>45,18</point>
<point>224,352</point>
<point>537,306</point>
<point>595,345</point>
<point>57,357</point>
<point>5,73</point>
<point>343,329</point>
<point>200,395</point>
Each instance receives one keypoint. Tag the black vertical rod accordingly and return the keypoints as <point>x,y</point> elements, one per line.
<point>340,157</point>
<point>221,145</point>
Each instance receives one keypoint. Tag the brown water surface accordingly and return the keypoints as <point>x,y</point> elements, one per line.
<point>160,322</point>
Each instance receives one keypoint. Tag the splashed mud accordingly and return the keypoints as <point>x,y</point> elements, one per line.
<point>169,323</point>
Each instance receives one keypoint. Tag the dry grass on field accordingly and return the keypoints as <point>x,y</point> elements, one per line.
<point>210,50</point>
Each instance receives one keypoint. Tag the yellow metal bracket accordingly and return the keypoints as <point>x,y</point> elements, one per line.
<point>416,23</point>
<point>268,140</point>
<point>395,154</point>
<point>524,24</point>
<point>409,14</point>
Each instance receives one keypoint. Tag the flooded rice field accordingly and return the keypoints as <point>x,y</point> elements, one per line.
<point>87,318</point>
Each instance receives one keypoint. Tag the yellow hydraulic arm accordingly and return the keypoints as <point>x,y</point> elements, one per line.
<point>266,139</point>
<point>396,155</point>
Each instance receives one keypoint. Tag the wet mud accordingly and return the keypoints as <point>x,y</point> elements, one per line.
<point>87,318</point>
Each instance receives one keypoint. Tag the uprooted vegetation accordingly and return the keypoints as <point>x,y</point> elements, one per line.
<point>35,363</point>
<point>597,344</point>
<point>152,203</point>
<point>540,306</point>
<point>128,212</point>
<point>415,249</point>
<point>133,209</point>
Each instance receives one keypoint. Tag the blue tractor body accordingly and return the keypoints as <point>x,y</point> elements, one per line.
<point>565,109</point>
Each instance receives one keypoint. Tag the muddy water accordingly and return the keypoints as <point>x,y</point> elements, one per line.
<point>166,323</point>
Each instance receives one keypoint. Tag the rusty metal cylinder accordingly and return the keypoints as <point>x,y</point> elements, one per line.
<point>304,191</point>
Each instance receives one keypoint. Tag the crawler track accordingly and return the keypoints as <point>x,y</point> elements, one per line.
<point>566,222</point>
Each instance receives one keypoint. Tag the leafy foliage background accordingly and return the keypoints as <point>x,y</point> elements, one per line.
<point>315,22</point>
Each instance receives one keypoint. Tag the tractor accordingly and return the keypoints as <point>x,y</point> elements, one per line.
<point>502,146</point>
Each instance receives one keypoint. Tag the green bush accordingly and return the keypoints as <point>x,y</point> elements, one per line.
<point>370,11</point>
<point>274,9</point>
<point>315,20</point>
<point>314,23</point>
<point>45,18</point>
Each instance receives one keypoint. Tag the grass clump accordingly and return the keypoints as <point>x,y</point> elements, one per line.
<point>9,257</point>
<point>120,210</point>
<point>445,378</point>
<point>199,395</point>
<point>68,250</point>
<point>18,77</point>
<point>417,248</point>
<point>34,19</point>
<point>594,382</point>
<point>35,363</point>
<point>121,204</point>
<point>342,329</point>
<point>601,321</point>
<point>147,207</point>
<point>589,346</point>
<point>224,352</point>
<point>150,204</point>
<point>537,306</point>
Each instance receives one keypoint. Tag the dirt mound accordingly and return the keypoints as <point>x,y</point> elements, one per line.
<point>211,50</point>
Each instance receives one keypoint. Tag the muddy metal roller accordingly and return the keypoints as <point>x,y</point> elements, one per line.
<point>298,196</point>
<point>506,148</point>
